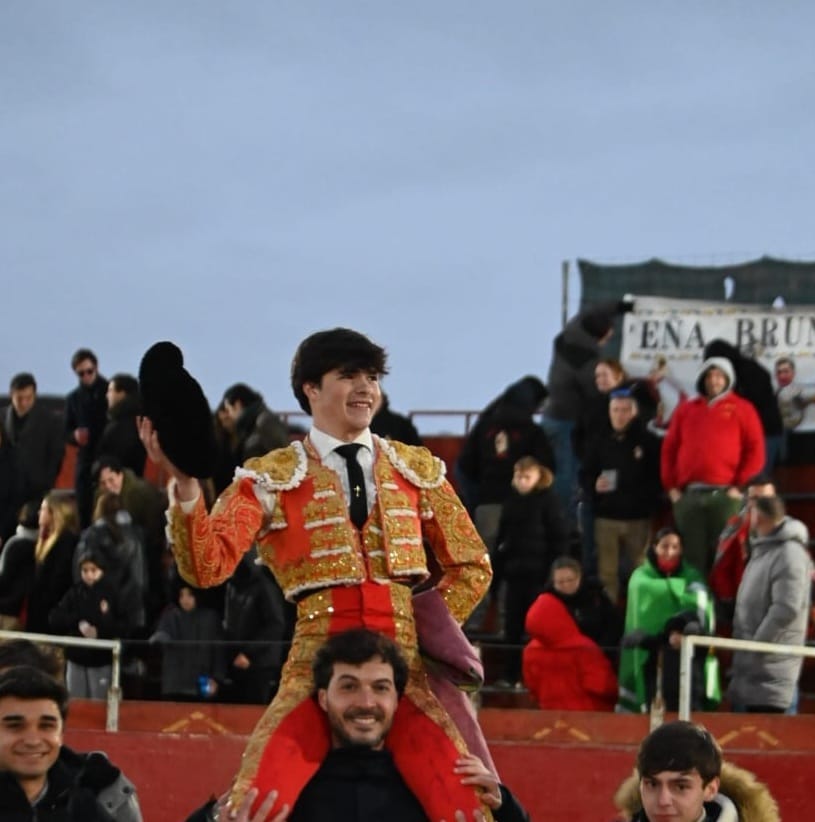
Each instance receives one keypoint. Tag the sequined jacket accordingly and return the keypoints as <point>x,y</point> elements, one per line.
<point>294,508</point>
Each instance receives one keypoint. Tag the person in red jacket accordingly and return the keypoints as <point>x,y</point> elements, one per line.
<point>714,444</point>
<point>563,668</point>
<point>732,553</point>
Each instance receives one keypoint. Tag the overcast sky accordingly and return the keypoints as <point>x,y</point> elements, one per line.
<point>235,175</point>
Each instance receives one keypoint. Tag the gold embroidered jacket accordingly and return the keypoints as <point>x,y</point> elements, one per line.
<point>294,508</point>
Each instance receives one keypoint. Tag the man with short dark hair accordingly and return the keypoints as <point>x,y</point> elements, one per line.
<point>681,777</point>
<point>620,476</point>
<point>359,678</point>
<point>772,605</point>
<point>120,437</point>
<point>86,411</point>
<point>35,438</point>
<point>257,428</point>
<point>343,520</point>
<point>733,550</point>
<point>35,783</point>
<point>112,789</point>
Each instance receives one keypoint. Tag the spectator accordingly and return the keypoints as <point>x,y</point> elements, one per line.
<point>588,603</point>
<point>753,382</point>
<point>33,707</point>
<point>608,377</point>
<point>713,446</point>
<point>92,608</point>
<point>620,476</point>
<point>120,546</point>
<point>563,668</point>
<point>792,397</point>
<point>227,458</point>
<point>772,605</point>
<point>113,790</point>
<point>503,434</point>
<point>120,437</point>
<point>145,504</point>
<point>733,550</point>
<point>86,410</point>
<point>387,423</point>
<point>572,389</point>
<point>9,491</point>
<point>666,598</point>
<point>192,653</point>
<point>17,568</point>
<point>531,534</point>
<point>34,434</point>
<point>258,430</point>
<point>257,624</point>
<point>680,776</point>
<point>53,555</point>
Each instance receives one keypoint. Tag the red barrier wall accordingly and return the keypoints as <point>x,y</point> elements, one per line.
<point>562,766</point>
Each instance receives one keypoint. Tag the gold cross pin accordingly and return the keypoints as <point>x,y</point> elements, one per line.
<point>357,490</point>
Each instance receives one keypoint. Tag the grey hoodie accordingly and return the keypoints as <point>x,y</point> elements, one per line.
<point>772,605</point>
<point>724,365</point>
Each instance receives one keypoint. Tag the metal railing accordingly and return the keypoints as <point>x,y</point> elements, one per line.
<point>112,645</point>
<point>686,659</point>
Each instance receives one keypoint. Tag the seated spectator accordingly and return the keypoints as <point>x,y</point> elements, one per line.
<point>258,429</point>
<point>588,603</point>
<point>393,426</point>
<point>192,653</point>
<point>531,534</point>
<point>120,548</point>
<point>91,609</point>
<point>120,437</point>
<point>680,776</point>
<point>563,668</point>
<point>17,568</point>
<point>53,557</point>
<point>667,598</point>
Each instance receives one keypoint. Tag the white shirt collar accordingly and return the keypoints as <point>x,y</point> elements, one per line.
<point>324,443</point>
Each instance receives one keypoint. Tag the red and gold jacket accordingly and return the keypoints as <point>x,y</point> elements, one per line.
<point>294,508</point>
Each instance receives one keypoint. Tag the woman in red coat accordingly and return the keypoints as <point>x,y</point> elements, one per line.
<point>563,668</point>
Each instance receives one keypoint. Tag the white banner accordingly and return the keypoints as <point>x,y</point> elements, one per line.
<point>666,337</point>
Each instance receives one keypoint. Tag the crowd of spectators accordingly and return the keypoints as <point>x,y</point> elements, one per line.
<point>567,483</point>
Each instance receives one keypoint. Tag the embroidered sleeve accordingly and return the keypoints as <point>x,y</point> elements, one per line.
<point>207,547</point>
<point>461,554</point>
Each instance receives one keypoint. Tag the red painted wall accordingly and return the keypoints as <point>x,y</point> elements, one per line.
<point>562,766</point>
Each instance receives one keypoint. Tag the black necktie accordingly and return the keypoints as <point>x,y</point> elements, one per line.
<point>356,483</point>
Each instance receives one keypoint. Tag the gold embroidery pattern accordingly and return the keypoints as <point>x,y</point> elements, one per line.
<point>414,462</point>
<point>460,551</point>
<point>207,548</point>
<point>284,467</point>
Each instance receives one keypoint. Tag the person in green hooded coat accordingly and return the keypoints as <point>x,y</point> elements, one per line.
<point>667,597</point>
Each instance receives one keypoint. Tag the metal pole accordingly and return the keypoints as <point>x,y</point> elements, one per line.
<point>115,691</point>
<point>564,307</point>
<point>685,664</point>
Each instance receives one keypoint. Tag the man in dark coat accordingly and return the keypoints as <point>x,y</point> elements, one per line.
<point>359,677</point>
<point>86,412</point>
<point>257,428</point>
<point>391,425</point>
<point>121,435</point>
<point>33,433</point>
<point>48,787</point>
